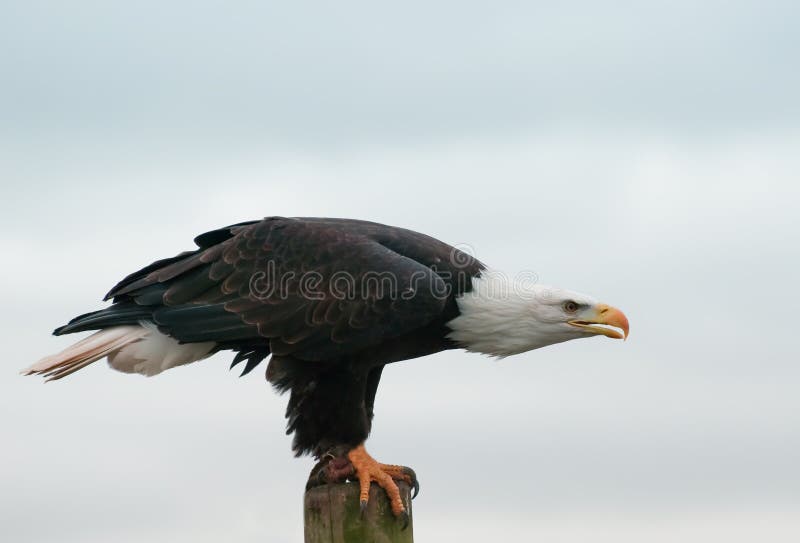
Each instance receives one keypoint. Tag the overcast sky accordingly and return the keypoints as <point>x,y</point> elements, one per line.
<point>644,153</point>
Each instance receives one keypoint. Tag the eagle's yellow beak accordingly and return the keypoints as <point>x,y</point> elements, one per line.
<point>606,316</point>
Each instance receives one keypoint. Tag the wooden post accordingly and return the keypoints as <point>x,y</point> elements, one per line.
<point>332,515</point>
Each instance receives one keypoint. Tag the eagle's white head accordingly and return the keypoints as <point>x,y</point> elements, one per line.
<point>501,317</point>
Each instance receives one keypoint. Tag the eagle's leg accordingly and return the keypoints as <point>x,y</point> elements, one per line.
<point>367,470</point>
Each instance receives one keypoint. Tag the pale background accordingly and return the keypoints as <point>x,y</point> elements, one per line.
<point>642,152</point>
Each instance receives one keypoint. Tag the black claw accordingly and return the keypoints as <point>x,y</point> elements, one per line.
<point>403,518</point>
<point>363,508</point>
<point>322,476</point>
<point>316,477</point>
<point>414,481</point>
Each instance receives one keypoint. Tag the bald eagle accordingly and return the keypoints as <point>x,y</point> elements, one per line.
<point>331,302</point>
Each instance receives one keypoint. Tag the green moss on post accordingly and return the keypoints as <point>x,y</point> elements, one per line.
<point>332,515</point>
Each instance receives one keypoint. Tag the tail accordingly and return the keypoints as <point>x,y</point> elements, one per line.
<point>88,350</point>
<point>131,349</point>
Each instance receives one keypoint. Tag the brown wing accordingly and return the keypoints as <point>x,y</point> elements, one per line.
<point>312,288</point>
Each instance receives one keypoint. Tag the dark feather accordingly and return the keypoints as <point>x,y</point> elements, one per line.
<point>241,355</point>
<point>116,315</point>
<point>218,236</point>
<point>252,362</point>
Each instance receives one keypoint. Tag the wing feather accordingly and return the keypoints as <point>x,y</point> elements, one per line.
<point>247,285</point>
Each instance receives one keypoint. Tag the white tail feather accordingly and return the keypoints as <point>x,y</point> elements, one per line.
<point>88,350</point>
<point>130,349</point>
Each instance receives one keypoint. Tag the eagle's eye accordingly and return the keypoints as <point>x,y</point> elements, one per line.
<point>570,306</point>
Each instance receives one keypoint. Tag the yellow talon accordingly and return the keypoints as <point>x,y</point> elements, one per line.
<point>368,470</point>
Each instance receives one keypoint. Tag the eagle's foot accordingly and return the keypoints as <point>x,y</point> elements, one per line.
<point>358,464</point>
<point>367,470</point>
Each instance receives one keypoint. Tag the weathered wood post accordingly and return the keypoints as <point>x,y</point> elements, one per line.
<point>332,515</point>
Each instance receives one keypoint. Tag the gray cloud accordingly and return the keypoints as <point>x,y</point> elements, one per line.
<point>218,74</point>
